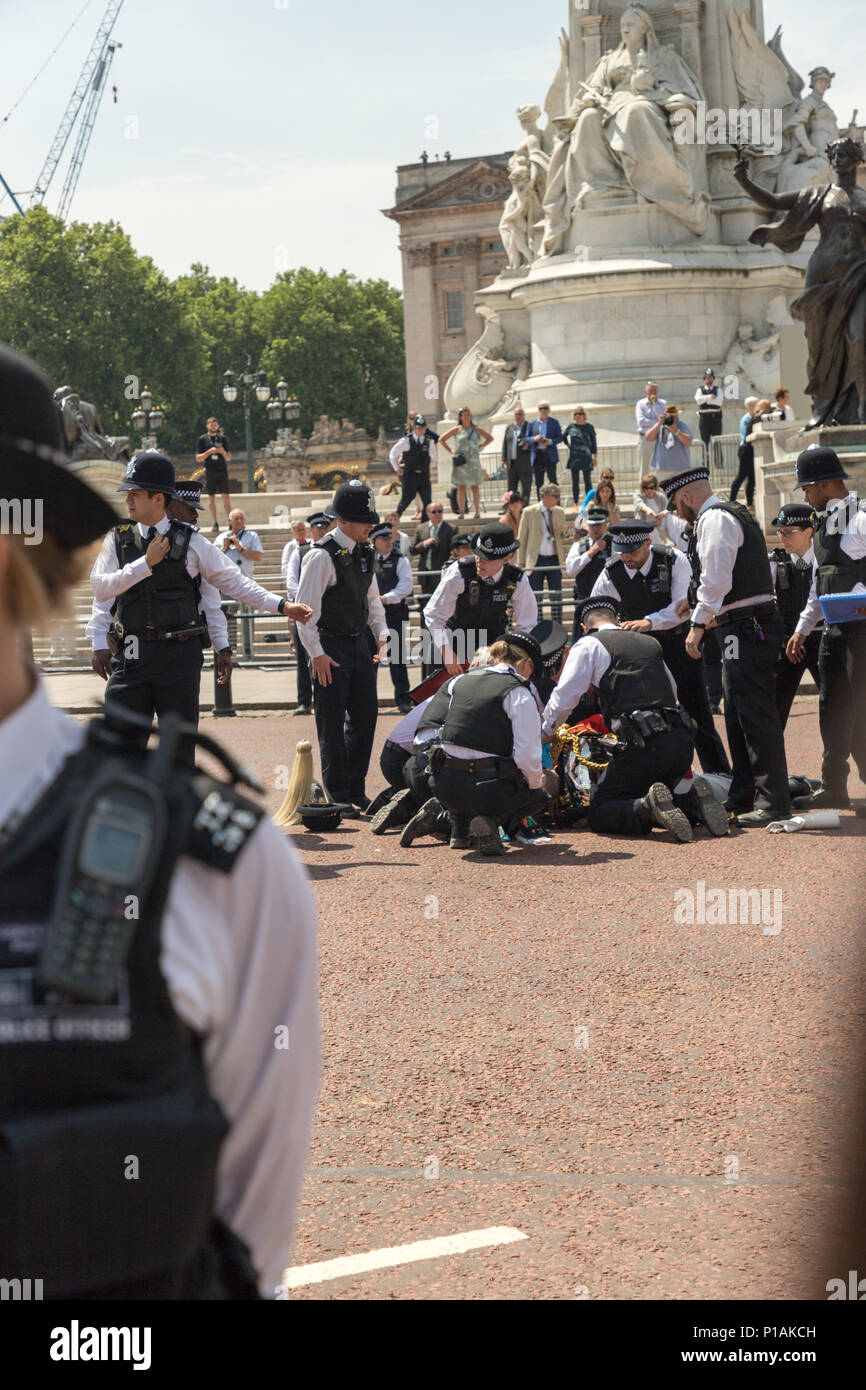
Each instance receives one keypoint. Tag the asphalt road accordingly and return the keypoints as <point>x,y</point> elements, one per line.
<point>537,1042</point>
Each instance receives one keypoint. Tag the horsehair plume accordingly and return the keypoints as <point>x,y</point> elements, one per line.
<point>300,788</point>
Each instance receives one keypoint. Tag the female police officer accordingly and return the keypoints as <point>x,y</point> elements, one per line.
<point>161,1051</point>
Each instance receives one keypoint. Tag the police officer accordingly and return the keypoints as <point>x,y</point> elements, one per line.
<point>791,566</point>
<point>649,583</point>
<point>150,571</point>
<point>412,458</point>
<point>338,583</point>
<point>587,558</point>
<point>552,640</point>
<point>469,607</point>
<point>736,590</point>
<point>183,1037</point>
<point>394,578</point>
<point>320,523</point>
<point>839,565</point>
<point>487,770</point>
<point>709,400</point>
<point>639,704</point>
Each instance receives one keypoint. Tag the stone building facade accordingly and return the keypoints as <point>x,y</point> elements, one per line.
<point>448,213</point>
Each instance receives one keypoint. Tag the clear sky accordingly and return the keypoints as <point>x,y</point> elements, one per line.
<point>256,135</point>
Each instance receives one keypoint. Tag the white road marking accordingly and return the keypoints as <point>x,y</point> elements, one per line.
<point>400,1255</point>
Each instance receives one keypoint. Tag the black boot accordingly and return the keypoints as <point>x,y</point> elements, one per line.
<point>824,800</point>
<point>423,823</point>
<point>398,811</point>
<point>657,808</point>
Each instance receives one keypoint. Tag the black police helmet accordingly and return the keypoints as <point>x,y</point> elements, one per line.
<point>353,501</point>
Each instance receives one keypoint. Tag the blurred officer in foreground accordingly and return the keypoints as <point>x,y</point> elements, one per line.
<point>735,591</point>
<point>157,950</point>
<point>839,565</point>
<point>791,567</point>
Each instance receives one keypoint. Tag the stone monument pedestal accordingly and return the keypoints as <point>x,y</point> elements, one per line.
<point>776,449</point>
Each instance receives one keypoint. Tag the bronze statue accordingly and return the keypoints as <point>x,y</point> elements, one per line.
<point>83,435</point>
<point>832,306</point>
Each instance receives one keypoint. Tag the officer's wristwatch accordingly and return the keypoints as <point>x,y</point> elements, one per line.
<point>222,651</point>
<point>284,603</point>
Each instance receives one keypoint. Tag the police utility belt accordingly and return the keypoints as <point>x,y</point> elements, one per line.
<point>757,613</point>
<point>504,767</point>
<point>635,729</point>
<point>118,633</point>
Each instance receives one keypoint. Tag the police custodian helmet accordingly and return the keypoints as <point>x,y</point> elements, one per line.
<point>33,466</point>
<point>353,501</point>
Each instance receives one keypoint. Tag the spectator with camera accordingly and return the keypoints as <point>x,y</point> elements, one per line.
<point>213,451</point>
<point>672,442</point>
<point>784,409</point>
<point>648,412</point>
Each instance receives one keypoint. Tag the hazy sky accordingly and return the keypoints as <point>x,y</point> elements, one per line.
<point>255,135</point>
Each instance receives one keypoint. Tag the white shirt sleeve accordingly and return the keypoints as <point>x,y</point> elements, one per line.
<point>720,536</point>
<point>293,572</point>
<point>585,665</point>
<point>288,548</point>
<point>524,605</point>
<point>239,957</point>
<point>107,579</point>
<point>211,607</point>
<point>396,454</point>
<point>522,710</point>
<point>97,627</point>
<point>604,587</point>
<point>403,588</point>
<point>575,561</point>
<point>317,575</point>
<point>376,617</point>
<point>440,607</point>
<point>211,564</point>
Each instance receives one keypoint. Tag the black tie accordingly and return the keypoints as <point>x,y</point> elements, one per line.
<point>152,531</point>
<point>801,563</point>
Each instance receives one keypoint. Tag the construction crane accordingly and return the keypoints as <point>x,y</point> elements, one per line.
<point>97,62</point>
<point>85,130</point>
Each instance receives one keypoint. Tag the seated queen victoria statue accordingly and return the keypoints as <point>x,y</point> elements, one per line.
<point>621,136</point>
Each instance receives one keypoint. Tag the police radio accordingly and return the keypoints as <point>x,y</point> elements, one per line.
<point>111,853</point>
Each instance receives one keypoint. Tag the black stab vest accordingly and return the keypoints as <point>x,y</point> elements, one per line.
<point>344,605</point>
<point>435,713</point>
<point>482,607</point>
<point>837,572</point>
<point>169,598</point>
<point>636,678</point>
<point>751,574</point>
<point>641,594</point>
<point>386,577</point>
<point>584,581</point>
<point>476,717</point>
<point>792,588</point>
<point>416,459</point>
<point>84,1088</point>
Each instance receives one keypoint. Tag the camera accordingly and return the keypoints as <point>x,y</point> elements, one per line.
<point>669,420</point>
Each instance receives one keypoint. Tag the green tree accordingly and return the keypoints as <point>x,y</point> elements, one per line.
<point>224,318</point>
<point>95,314</point>
<point>339,342</point>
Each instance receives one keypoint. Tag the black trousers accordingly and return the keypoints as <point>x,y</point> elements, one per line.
<point>745,474</point>
<point>415,484</point>
<point>713,666</point>
<point>544,464</point>
<point>576,470</point>
<point>693,695</point>
<point>755,737</point>
<point>520,475</point>
<point>709,425</point>
<point>666,758</point>
<point>547,571</point>
<point>789,674</point>
<point>842,706</point>
<point>507,798</point>
<point>416,776</point>
<point>346,713</point>
<point>392,761</point>
<point>396,645</point>
<point>165,679</point>
<point>305,676</point>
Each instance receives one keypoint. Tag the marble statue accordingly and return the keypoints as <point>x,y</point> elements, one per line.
<point>527,171</point>
<point>621,138</point>
<point>483,373</point>
<point>83,435</point>
<point>832,306</point>
<point>767,82</point>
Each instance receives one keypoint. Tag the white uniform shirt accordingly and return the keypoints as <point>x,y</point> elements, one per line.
<point>681,575</point>
<point>720,536</point>
<point>293,568</point>
<point>585,666</point>
<point>443,602</point>
<point>405,732</point>
<point>522,709</point>
<point>284,558</point>
<point>575,560</point>
<point>239,957</point>
<point>852,542</point>
<point>250,541</point>
<point>396,455</point>
<point>317,575</point>
<point>403,588</point>
<point>108,581</point>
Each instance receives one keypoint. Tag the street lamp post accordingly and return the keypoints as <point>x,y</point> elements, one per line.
<point>283,409</point>
<point>147,418</point>
<point>247,381</point>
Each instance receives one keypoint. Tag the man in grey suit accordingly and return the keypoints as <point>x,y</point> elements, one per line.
<point>517,456</point>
